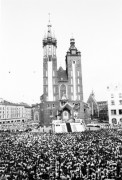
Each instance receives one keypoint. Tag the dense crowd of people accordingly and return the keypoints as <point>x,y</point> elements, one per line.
<point>89,155</point>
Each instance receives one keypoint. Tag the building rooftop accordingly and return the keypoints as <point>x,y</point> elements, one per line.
<point>102,102</point>
<point>7,103</point>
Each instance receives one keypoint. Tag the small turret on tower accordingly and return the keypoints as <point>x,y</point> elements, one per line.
<point>72,43</point>
<point>73,50</point>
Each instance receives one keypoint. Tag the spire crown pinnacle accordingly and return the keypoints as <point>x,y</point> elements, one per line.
<point>92,93</point>
<point>49,23</point>
<point>49,38</point>
<point>49,34</point>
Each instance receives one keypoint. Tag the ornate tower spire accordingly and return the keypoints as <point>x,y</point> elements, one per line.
<point>49,39</point>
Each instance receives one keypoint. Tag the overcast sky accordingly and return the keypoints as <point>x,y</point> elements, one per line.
<point>96,26</point>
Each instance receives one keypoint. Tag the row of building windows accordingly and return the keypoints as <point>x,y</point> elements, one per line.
<point>10,110</point>
<point>114,112</point>
<point>46,82</point>
<point>50,105</point>
<point>113,102</point>
<point>6,122</point>
<point>10,116</point>
<point>1,108</point>
<point>120,95</point>
<point>78,73</point>
<point>54,81</point>
<point>114,121</point>
<point>2,112</point>
<point>47,75</point>
<point>78,89</point>
<point>72,98</point>
<point>78,81</point>
<point>46,90</point>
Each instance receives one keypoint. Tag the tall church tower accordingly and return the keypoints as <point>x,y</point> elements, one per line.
<point>49,66</point>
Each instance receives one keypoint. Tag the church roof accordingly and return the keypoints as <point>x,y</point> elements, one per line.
<point>62,76</point>
<point>92,98</point>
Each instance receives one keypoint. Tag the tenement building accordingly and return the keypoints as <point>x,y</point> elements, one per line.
<point>62,88</point>
<point>14,116</point>
<point>115,104</point>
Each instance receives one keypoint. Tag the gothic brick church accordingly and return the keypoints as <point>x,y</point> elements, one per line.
<point>62,89</point>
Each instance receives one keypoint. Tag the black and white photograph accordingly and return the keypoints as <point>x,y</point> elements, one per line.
<point>60,90</point>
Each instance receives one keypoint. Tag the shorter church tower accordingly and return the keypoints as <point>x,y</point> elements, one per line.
<point>74,72</point>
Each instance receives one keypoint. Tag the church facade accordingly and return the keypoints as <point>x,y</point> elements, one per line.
<point>62,89</point>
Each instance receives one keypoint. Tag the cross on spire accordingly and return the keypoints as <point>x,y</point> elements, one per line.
<point>49,27</point>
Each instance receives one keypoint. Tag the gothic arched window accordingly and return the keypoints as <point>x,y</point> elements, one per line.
<point>62,91</point>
